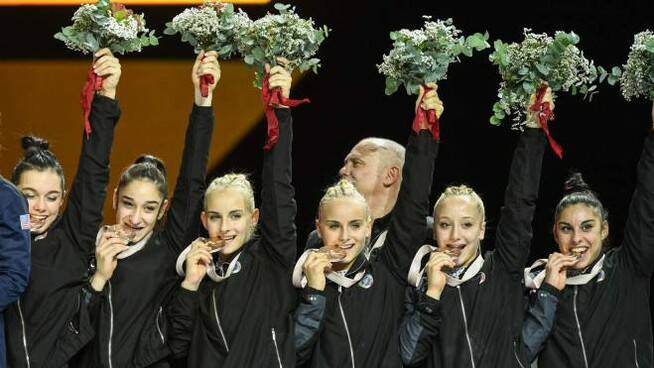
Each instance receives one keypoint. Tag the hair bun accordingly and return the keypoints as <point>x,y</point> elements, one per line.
<point>575,183</point>
<point>32,145</point>
<point>152,160</point>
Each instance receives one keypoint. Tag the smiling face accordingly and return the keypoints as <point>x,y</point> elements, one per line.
<point>459,227</point>
<point>228,219</point>
<point>580,230</point>
<point>44,193</point>
<point>139,205</point>
<point>344,224</point>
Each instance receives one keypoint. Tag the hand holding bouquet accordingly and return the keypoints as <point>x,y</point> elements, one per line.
<point>209,27</point>
<point>423,56</point>
<point>104,25</point>
<point>532,66</point>
<point>278,40</point>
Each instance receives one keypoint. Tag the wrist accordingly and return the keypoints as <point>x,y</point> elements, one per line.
<point>108,93</point>
<point>320,286</point>
<point>98,282</point>
<point>434,293</point>
<point>203,101</point>
<point>189,285</point>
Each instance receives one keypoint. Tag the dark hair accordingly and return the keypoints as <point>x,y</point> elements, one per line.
<point>146,167</point>
<point>576,191</point>
<point>37,156</point>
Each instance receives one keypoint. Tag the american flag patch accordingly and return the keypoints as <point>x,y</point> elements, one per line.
<point>25,222</point>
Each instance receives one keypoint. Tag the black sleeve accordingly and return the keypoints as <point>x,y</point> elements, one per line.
<point>83,215</point>
<point>181,314</point>
<point>307,320</point>
<point>420,327</point>
<point>638,244</point>
<point>514,230</point>
<point>278,208</point>
<point>183,219</point>
<point>406,231</point>
<point>539,319</point>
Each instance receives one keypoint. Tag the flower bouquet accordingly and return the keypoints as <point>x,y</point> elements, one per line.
<point>104,25</point>
<point>637,79</point>
<point>274,37</point>
<point>209,27</point>
<point>538,62</point>
<point>423,56</point>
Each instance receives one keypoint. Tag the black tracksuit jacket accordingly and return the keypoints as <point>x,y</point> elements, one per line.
<point>362,321</point>
<point>478,324</point>
<point>128,314</point>
<point>48,324</point>
<point>607,322</point>
<point>246,319</point>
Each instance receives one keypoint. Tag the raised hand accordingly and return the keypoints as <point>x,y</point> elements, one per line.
<point>206,63</point>
<point>280,77</point>
<point>108,67</point>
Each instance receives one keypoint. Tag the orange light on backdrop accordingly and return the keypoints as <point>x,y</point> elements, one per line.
<point>126,2</point>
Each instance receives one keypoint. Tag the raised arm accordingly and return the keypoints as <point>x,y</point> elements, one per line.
<point>638,245</point>
<point>83,215</point>
<point>278,208</point>
<point>514,230</point>
<point>406,231</point>
<point>182,222</point>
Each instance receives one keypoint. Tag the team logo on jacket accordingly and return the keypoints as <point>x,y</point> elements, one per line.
<point>25,222</point>
<point>366,281</point>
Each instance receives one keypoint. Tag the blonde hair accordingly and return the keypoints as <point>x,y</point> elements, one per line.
<point>239,182</point>
<point>344,189</point>
<point>390,152</point>
<point>464,191</point>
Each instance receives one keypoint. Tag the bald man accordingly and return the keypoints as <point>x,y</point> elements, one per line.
<point>374,166</point>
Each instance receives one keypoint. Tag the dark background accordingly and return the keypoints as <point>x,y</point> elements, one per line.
<point>602,138</point>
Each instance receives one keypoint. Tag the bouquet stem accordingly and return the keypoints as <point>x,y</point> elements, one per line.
<point>272,98</point>
<point>92,85</point>
<point>426,116</point>
<point>545,114</point>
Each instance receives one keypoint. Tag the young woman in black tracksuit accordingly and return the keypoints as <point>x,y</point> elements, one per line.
<point>48,324</point>
<point>472,315</point>
<point>350,310</point>
<point>131,283</point>
<point>240,315</point>
<point>603,316</point>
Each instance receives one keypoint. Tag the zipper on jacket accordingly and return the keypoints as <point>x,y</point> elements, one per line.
<point>465,325</point>
<point>515,352</point>
<point>220,327</point>
<point>279,358</point>
<point>111,325</point>
<point>22,323</point>
<point>347,329</point>
<point>163,341</point>
<point>581,338</point>
<point>636,354</point>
